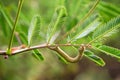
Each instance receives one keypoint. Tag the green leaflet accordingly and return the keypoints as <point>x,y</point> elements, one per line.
<point>62,59</point>
<point>90,55</point>
<point>58,17</point>
<point>37,54</point>
<point>33,31</point>
<point>88,26</point>
<point>108,27</point>
<point>105,29</point>
<point>109,50</point>
<point>34,27</point>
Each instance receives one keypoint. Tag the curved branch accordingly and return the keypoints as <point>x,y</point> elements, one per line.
<point>66,56</point>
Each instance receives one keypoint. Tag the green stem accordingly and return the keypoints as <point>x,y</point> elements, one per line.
<point>14,26</point>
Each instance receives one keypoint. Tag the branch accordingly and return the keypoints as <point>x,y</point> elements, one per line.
<point>19,49</point>
<point>22,48</point>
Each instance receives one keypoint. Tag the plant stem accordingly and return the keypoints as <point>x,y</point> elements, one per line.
<point>45,45</point>
<point>51,47</point>
<point>81,21</point>
<point>14,26</point>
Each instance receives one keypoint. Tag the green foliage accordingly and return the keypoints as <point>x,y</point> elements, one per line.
<point>33,30</point>
<point>37,54</point>
<point>90,28</point>
<point>86,28</point>
<point>108,10</point>
<point>62,59</point>
<point>106,29</point>
<point>90,55</point>
<point>109,50</point>
<point>102,23</point>
<point>58,18</point>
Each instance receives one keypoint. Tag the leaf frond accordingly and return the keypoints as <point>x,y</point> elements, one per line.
<point>58,17</point>
<point>34,26</point>
<point>109,50</point>
<point>105,29</point>
<point>88,26</point>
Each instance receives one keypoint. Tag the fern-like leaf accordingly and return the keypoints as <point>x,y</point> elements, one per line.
<point>90,55</point>
<point>88,26</point>
<point>109,50</point>
<point>34,27</point>
<point>58,17</point>
<point>105,29</point>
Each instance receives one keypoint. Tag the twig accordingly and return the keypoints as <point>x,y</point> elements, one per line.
<point>55,47</point>
<point>36,47</point>
<point>23,50</point>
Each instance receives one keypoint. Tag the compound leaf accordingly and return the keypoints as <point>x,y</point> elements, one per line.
<point>90,55</point>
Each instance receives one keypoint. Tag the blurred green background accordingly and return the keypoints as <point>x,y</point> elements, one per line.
<point>25,67</point>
